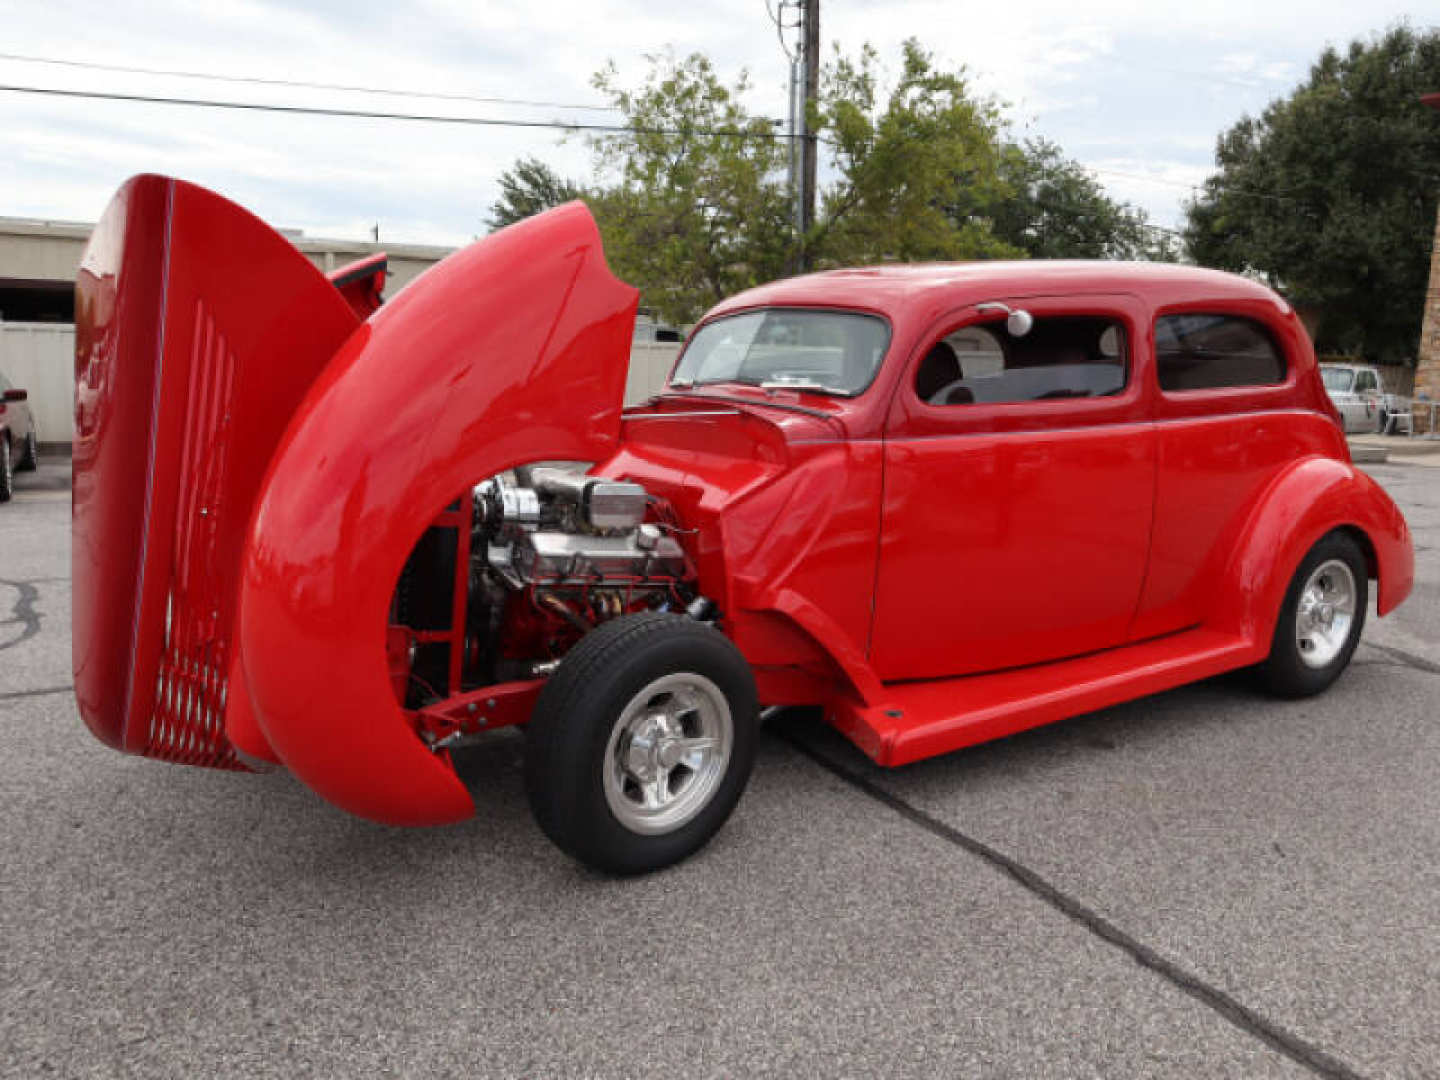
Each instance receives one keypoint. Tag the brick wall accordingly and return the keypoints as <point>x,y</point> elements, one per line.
<point>1427,367</point>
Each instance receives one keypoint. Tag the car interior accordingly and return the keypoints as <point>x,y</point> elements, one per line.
<point>1066,357</point>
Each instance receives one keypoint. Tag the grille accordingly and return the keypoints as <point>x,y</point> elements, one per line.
<point>187,724</point>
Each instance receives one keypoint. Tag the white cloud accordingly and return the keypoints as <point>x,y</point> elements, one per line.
<point>1140,90</point>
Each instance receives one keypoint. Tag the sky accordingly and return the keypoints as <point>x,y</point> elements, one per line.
<point>1136,92</point>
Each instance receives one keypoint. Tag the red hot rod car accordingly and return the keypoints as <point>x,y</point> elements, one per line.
<point>943,503</point>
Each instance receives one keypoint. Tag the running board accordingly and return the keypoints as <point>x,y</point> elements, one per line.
<point>916,720</point>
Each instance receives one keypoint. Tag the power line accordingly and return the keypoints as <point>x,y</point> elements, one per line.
<point>1188,187</point>
<point>490,121</point>
<point>777,17</point>
<point>255,80</point>
<point>367,114</point>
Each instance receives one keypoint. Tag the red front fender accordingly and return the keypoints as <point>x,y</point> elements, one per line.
<point>512,350</point>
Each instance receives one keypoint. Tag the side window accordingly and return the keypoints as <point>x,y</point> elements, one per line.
<point>1365,381</point>
<point>1063,357</point>
<point>1205,352</point>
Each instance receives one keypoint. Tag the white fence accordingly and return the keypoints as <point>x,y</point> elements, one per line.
<point>650,363</point>
<point>40,358</point>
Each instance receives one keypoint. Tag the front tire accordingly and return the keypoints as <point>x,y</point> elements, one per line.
<point>1320,619</point>
<point>642,742</point>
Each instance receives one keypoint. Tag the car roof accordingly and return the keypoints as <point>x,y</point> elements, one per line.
<point>897,289</point>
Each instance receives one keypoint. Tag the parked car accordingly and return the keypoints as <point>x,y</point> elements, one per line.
<point>19,451</point>
<point>1358,394</point>
<point>942,504</point>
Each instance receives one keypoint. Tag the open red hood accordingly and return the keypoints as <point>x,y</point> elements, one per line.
<point>235,417</point>
<point>513,350</point>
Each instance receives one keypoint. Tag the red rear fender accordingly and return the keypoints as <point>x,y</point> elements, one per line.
<point>1314,496</point>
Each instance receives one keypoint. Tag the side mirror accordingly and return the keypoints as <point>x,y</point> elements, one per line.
<point>1018,321</point>
<point>16,395</point>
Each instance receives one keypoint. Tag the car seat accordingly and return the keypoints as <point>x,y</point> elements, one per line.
<point>938,370</point>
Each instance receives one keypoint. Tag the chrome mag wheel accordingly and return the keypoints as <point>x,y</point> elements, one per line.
<point>641,742</point>
<point>1325,613</point>
<point>667,753</point>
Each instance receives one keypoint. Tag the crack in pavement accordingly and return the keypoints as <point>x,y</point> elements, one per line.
<point>23,612</point>
<point>1397,664</point>
<point>13,695</point>
<point>1241,1016</point>
<point>1408,659</point>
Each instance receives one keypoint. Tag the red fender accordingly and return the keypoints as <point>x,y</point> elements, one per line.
<point>512,350</point>
<point>1309,499</point>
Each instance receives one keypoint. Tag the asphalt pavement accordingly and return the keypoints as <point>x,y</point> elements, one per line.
<point>1203,883</point>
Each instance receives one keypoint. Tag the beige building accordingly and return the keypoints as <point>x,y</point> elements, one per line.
<point>38,260</point>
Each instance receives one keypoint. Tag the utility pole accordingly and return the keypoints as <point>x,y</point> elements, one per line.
<point>797,139</point>
<point>810,54</point>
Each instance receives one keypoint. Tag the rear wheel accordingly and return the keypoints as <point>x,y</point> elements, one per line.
<point>30,456</point>
<point>1320,620</point>
<point>642,742</point>
<point>7,469</point>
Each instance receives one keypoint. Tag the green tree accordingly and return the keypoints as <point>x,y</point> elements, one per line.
<point>528,187</point>
<point>1050,207</point>
<point>1331,193</point>
<point>693,204</point>
<point>904,160</point>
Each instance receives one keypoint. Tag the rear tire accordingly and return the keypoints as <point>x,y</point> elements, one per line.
<point>642,742</point>
<point>1320,619</point>
<point>7,469</point>
<point>30,456</point>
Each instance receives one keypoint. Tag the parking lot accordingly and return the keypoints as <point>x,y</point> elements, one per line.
<point>1203,883</point>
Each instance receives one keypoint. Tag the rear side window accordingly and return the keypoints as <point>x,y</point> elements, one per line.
<point>1065,357</point>
<point>1205,352</point>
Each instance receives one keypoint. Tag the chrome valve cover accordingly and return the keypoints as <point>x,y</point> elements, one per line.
<point>557,556</point>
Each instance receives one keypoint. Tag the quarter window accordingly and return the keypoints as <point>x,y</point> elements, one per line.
<point>1206,352</point>
<point>1063,357</point>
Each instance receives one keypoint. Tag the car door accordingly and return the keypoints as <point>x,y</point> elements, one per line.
<point>1227,422</point>
<point>16,419</point>
<point>1019,482</point>
<point>1367,393</point>
<point>1340,384</point>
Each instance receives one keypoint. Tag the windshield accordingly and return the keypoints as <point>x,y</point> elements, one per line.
<point>830,352</point>
<point>1337,379</point>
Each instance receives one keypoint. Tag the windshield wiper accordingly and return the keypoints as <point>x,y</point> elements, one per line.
<point>802,384</point>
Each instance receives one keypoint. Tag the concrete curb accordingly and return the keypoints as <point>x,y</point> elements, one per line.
<point>1396,444</point>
